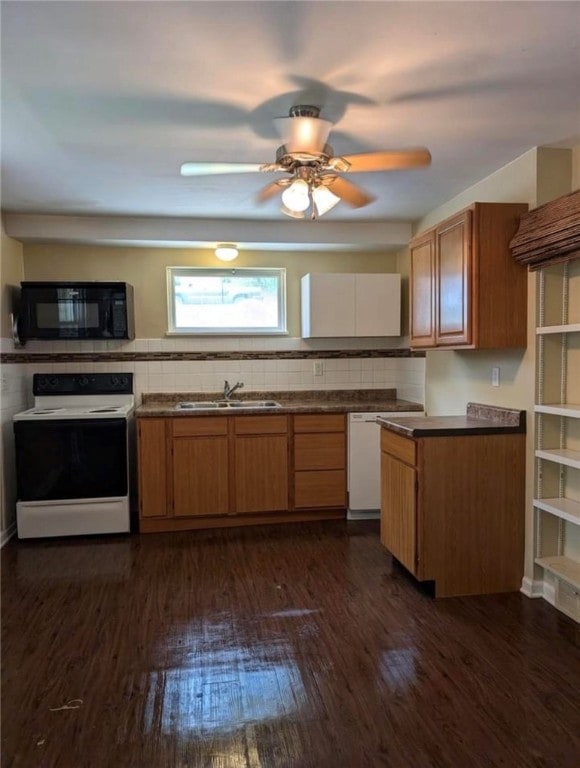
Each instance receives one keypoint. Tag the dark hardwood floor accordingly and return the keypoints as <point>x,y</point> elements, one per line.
<point>272,647</point>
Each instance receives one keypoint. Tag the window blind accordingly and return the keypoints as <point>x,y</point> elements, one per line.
<point>549,234</point>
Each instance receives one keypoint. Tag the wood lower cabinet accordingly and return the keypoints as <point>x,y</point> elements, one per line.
<point>453,509</point>
<point>152,460</point>
<point>466,290</point>
<point>200,467</point>
<point>319,461</point>
<point>261,463</point>
<point>214,471</point>
<point>399,525</point>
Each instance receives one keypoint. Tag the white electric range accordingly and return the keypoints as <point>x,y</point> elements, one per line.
<point>73,455</point>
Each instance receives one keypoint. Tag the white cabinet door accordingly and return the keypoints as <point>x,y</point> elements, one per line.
<point>348,305</point>
<point>377,305</point>
<point>327,305</point>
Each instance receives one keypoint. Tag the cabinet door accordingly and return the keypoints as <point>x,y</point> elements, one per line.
<point>152,453</point>
<point>454,281</point>
<point>422,292</point>
<point>377,305</point>
<point>327,305</point>
<point>200,476</point>
<point>398,510</point>
<point>261,463</point>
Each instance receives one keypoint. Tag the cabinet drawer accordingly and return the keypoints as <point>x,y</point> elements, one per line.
<point>320,422</point>
<point>402,448</point>
<point>325,488</point>
<point>260,425</point>
<point>202,425</point>
<point>325,451</point>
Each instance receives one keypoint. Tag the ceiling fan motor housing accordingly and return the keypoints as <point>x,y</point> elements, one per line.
<point>304,110</point>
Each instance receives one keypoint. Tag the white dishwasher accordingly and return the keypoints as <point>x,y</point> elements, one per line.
<point>364,463</point>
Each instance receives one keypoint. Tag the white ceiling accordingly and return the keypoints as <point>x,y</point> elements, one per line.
<point>102,101</point>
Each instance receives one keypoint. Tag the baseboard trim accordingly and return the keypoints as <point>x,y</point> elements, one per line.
<point>532,588</point>
<point>7,534</point>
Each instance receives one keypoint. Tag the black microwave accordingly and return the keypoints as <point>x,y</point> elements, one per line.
<point>76,310</point>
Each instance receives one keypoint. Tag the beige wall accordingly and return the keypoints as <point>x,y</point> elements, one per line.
<point>12,273</point>
<point>576,168</point>
<point>144,268</point>
<point>13,388</point>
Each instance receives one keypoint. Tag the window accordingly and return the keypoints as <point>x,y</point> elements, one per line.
<point>226,301</point>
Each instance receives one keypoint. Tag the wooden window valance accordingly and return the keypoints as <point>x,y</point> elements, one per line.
<point>549,234</point>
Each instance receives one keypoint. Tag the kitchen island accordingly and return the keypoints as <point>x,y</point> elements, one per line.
<point>453,498</point>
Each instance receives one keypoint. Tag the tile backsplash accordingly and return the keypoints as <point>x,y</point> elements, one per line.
<point>289,363</point>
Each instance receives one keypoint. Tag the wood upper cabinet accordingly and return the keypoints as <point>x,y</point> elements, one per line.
<point>448,521</point>
<point>466,290</point>
<point>453,250</point>
<point>422,291</point>
<point>261,463</point>
<point>319,461</point>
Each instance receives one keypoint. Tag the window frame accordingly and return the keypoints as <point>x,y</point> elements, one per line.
<point>173,330</point>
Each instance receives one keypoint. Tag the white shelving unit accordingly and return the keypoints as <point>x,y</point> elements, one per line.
<point>557,409</point>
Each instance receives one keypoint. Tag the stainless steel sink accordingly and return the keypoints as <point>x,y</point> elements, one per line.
<point>253,404</point>
<point>196,406</point>
<point>204,405</point>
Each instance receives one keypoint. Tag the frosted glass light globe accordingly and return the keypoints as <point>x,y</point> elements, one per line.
<point>295,197</point>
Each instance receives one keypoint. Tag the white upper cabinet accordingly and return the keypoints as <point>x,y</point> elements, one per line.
<point>345,305</point>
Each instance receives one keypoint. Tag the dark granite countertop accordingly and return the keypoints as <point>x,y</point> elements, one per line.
<point>293,401</point>
<point>479,419</point>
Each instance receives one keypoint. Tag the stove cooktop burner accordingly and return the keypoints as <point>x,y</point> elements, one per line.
<point>66,396</point>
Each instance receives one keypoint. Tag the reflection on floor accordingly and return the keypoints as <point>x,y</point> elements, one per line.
<point>286,646</point>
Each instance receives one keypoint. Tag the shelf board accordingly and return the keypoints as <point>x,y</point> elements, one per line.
<point>546,329</point>
<point>561,456</point>
<point>563,567</point>
<point>560,507</point>
<point>571,410</point>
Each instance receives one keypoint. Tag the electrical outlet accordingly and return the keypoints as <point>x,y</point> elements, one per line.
<point>318,368</point>
<point>495,377</point>
<point>3,383</point>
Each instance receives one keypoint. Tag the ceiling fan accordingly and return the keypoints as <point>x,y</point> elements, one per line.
<point>312,185</point>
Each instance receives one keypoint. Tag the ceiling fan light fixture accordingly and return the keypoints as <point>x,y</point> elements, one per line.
<point>303,131</point>
<point>324,199</point>
<point>226,251</point>
<point>296,197</point>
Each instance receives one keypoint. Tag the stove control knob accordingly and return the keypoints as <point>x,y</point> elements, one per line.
<point>119,381</point>
<point>52,382</point>
<point>83,381</point>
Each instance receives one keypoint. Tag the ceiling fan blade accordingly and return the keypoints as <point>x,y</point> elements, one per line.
<point>214,169</point>
<point>349,192</point>
<point>271,190</point>
<point>388,160</point>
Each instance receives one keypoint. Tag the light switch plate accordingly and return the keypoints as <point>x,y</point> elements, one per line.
<point>495,377</point>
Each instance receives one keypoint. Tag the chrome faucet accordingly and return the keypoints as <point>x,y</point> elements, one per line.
<point>229,391</point>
